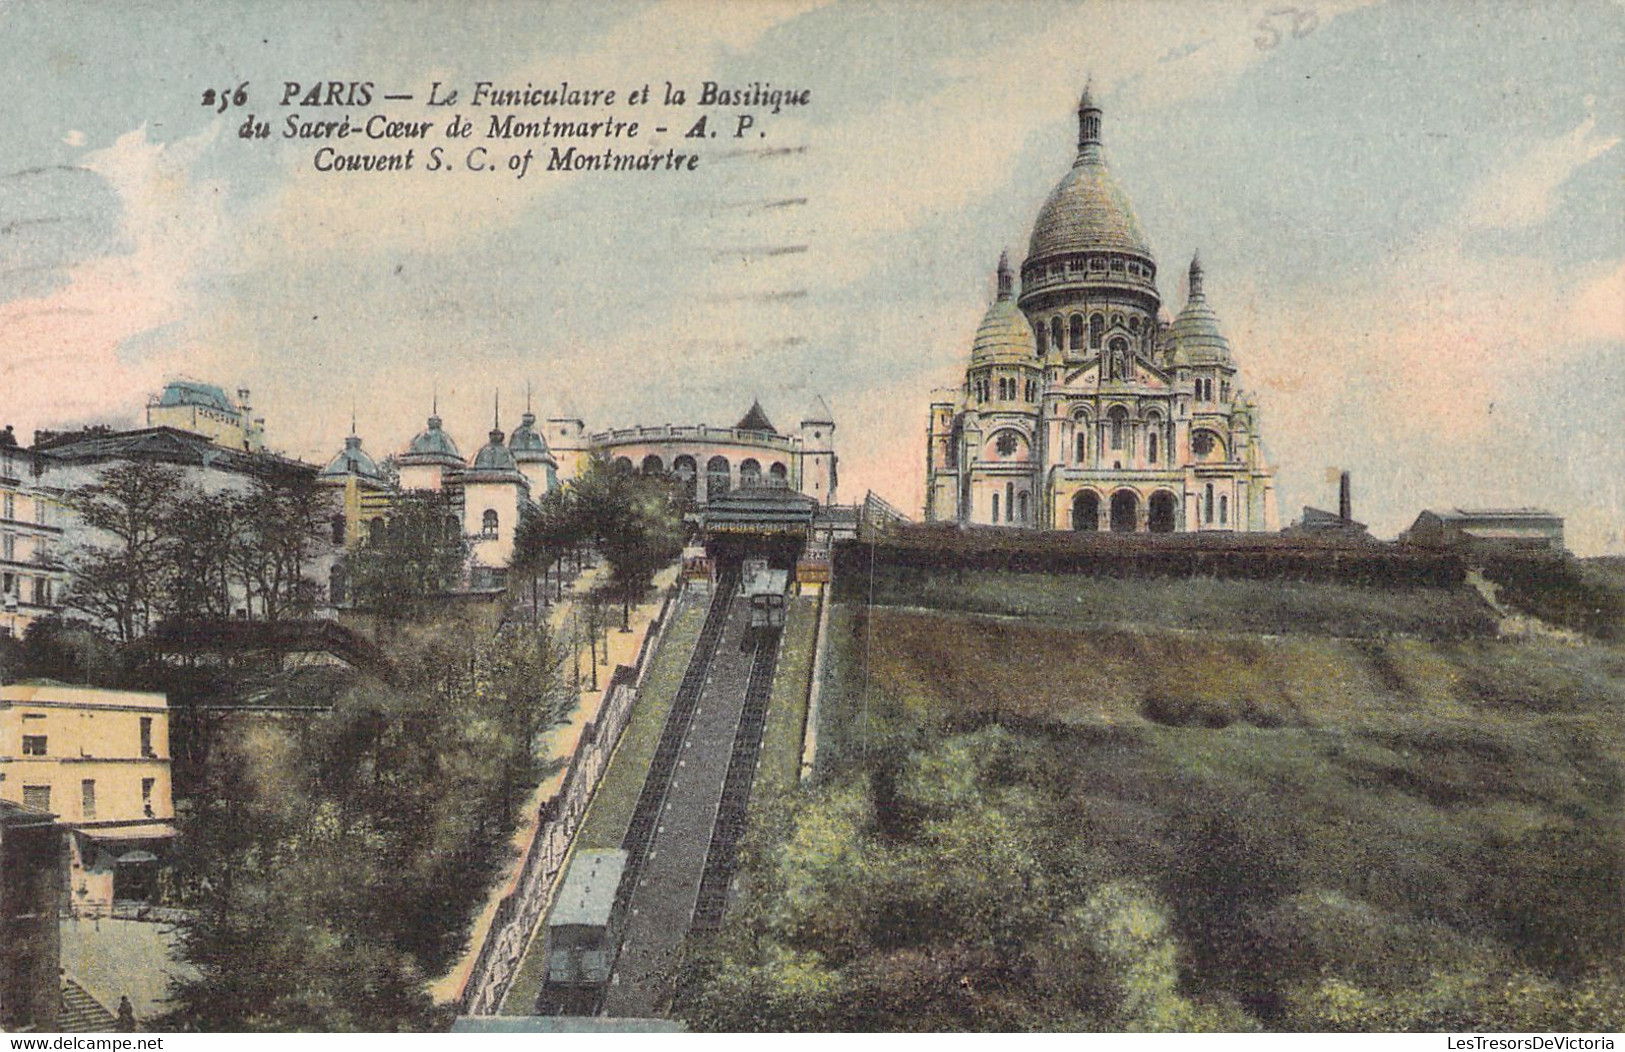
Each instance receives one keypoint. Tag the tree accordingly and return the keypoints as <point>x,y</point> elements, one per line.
<point>285,527</point>
<point>636,523</point>
<point>548,532</point>
<point>119,579</point>
<point>423,553</point>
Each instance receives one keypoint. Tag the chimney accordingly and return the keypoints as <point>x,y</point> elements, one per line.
<point>1345,505</point>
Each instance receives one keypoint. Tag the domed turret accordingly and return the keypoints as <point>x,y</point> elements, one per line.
<point>433,446</point>
<point>1088,211</point>
<point>1005,334</point>
<point>494,456</point>
<point>352,460</point>
<point>1195,334</point>
<point>528,445</point>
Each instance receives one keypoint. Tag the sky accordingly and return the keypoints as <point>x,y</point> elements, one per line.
<point>1409,216</point>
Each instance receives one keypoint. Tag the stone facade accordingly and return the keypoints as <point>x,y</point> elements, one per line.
<point>1083,407</point>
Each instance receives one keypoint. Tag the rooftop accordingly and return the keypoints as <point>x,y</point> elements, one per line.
<point>589,889</point>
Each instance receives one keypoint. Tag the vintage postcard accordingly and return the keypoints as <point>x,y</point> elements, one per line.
<point>739,515</point>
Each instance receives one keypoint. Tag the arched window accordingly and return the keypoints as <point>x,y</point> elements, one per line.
<point>1208,503</point>
<point>653,465</point>
<point>1117,321</point>
<point>623,465</point>
<point>1043,340</point>
<point>750,474</point>
<point>1083,447</point>
<point>376,531</point>
<point>995,509</point>
<point>716,476</point>
<point>686,470</point>
<point>488,522</point>
<point>1134,324</point>
<point>1010,501</point>
<point>1151,447</point>
<point>1055,333</point>
<point>777,475</point>
<point>1119,418</point>
<point>1097,329</point>
<point>1077,332</point>
<point>1224,509</point>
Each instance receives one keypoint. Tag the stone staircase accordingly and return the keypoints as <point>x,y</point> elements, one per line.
<point>82,1013</point>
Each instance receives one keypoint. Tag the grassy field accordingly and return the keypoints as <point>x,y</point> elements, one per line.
<point>787,711</point>
<point>618,791</point>
<point>1275,607</point>
<point>1393,827</point>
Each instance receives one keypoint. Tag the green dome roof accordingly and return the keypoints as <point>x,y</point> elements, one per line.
<point>494,456</point>
<point>1195,334</point>
<point>528,445</point>
<point>432,446</point>
<point>1005,334</point>
<point>352,460</point>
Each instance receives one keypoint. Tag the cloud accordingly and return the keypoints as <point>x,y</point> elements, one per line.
<point>1522,192</point>
<point>68,352</point>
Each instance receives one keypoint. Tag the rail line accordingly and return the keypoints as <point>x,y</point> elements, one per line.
<point>735,802</point>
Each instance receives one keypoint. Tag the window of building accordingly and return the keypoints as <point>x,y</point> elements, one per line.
<point>488,522</point>
<point>1209,503</point>
<point>146,795</point>
<point>995,509</point>
<point>8,547</point>
<point>42,591</point>
<point>1043,340</point>
<point>1224,509</point>
<point>37,796</point>
<point>1023,504</point>
<point>1117,321</point>
<point>1055,333</point>
<point>1006,444</point>
<point>146,736</point>
<point>1151,447</point>
<point>87,798</point>
<point>11,505</point>
<point>39,511</point>
<point>1097,330</point>
<point>1083,447</point>
<point>376,532</point>
<point>1202,443</point>
<point>1134,324</point>
<point>1010,501</point>
<point>34,745</point>
<point>1118,417</point>
<point>1076,324</point>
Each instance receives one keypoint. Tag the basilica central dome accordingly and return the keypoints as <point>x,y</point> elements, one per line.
<point>1088,211</point>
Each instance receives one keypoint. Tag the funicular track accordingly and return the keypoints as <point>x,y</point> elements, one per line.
<point>646,815</point>
<point>735,802</point>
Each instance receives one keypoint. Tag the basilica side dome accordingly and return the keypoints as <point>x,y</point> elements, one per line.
<point>1005,334</point>
<point>1195,335</point>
